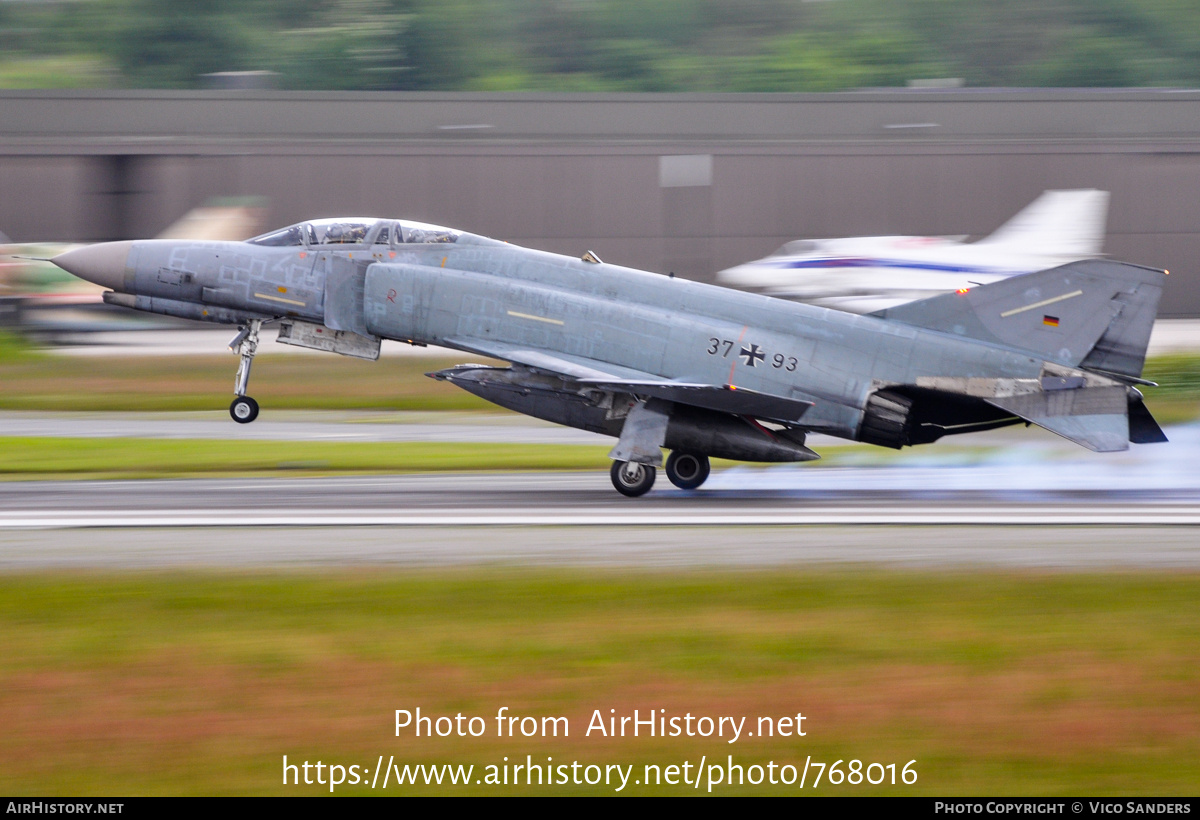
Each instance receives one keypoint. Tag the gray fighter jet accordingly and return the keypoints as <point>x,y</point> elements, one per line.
<point>660,362</point>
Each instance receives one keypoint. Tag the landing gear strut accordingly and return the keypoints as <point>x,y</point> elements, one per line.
<point>245,409</point>
<point>687,471</point>
<point>631,478</point>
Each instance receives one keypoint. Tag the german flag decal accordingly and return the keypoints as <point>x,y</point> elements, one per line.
<point>1050,321</point>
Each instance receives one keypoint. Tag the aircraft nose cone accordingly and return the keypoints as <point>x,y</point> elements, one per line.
<point>103,264</point>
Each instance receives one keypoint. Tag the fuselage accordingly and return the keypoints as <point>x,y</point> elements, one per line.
<point>662,363</point>
<point>478,294</point>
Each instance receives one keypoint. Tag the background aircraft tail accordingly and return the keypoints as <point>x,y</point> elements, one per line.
<point>1057,223</point>
<point>1094,314</point>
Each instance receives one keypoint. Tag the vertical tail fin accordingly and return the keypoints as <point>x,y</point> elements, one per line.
<point>1093,314</point>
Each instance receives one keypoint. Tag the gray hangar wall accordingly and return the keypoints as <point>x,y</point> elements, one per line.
<point>682,183</point>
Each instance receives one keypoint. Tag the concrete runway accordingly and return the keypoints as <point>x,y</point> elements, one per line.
<point>1016,463</point>
<point>731,496</point>
<point>1010,498</point>
<point>945,547</point>
<point>576,518</point>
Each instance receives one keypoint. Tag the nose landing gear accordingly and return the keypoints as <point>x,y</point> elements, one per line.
<point>245,409</point>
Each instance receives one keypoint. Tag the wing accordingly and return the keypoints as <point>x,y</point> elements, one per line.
<point>723,398</point>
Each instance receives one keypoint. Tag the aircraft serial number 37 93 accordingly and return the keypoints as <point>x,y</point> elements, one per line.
<point>751,355</point>
<point>664,363</point>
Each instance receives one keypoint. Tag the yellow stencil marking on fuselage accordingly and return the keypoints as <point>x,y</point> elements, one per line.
<point>536,318</point>
<point>271,298</point>
<point>1042,303</point>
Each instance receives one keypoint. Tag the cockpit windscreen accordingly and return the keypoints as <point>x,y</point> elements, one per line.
<point>343,231</point>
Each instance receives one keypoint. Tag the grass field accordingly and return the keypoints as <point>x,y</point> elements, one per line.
<point>41,382</point>
<point>37,381</point>
<point>124,458</point>
<point>101,458</point>
<point>1032,684</point>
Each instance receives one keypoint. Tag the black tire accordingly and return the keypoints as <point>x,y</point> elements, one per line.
<point>687,471</point>
<point>639,483</point>
<point>243,410</point>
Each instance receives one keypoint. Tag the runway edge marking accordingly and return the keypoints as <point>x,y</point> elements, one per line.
<point>1184,515</point>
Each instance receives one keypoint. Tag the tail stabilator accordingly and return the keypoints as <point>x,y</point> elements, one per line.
<point>1090,322</point>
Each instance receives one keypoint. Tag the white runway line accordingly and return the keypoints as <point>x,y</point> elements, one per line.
<point>1057,516</point>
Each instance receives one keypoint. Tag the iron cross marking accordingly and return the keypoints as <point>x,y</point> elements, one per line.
<point>753,355</point>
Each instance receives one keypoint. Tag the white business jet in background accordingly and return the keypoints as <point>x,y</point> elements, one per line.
<point>864,274</point>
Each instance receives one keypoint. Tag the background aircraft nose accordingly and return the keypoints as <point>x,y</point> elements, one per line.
<point>103,264</point>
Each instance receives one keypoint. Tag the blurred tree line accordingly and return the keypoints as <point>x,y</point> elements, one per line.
<point>600,45</point>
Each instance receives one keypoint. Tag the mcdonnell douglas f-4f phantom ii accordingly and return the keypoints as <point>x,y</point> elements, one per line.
<point>660,362</point>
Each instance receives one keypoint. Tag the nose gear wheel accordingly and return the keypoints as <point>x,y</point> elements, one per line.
<point>244,410</point>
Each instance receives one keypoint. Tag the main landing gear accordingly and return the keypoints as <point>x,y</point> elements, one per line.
<point>631,478</point>
<point>687,471</point>
<point>245,409</point>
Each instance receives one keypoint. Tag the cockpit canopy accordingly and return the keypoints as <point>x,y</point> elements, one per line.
<point>354,231</point>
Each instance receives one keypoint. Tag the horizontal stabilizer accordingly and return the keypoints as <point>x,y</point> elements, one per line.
<point>1101,434</point>
<point>1093,417</point>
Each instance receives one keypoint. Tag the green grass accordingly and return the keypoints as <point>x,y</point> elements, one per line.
<point>1177,398</point>
<point>16,349</point>
<point>61,71</point>
<point>37,381</point>
<point>994,683</point>
<point>35,458</point>
<point>34,381</point>
<point>27,458</point>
